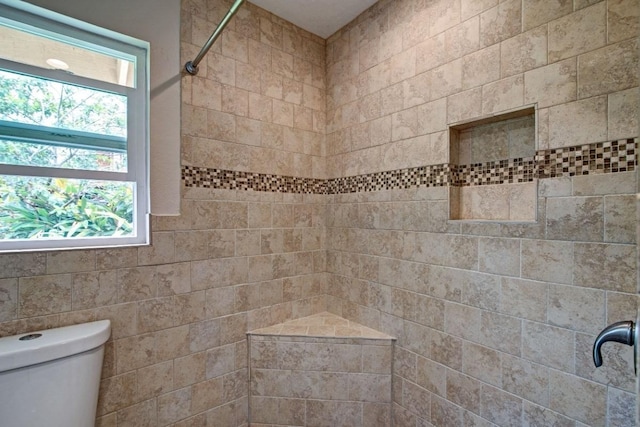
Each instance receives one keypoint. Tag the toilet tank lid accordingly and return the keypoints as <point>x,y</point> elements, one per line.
<point>51,344</point>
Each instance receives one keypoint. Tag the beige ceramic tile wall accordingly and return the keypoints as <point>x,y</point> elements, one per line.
<point>477,308</point>
<point>233,261</point>
<point>315,381</point>
<point>495,321</point>
<point>502,202</point>
<point>507,139</point>
<point>258,101</point>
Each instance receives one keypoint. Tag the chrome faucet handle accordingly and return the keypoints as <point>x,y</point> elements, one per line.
<point>622,332</point>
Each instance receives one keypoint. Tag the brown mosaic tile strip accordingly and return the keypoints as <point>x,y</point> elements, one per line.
<point>423,176</point>
<point>490,173</point>
<point>604,157</point>
<point>235,180</point>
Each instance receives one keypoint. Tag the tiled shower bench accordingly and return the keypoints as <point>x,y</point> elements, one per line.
<point>320,370</point>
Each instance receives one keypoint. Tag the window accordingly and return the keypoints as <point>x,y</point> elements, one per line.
<point>73,133</point>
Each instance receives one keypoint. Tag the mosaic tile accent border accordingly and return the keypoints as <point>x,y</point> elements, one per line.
<point>423,176</point>
<point>235,180</point>
<point>602,157</point>
<point>498,172</point>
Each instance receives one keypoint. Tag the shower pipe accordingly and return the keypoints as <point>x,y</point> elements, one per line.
<point>192,66</point>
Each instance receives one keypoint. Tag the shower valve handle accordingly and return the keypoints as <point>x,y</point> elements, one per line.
<point>622,332</point>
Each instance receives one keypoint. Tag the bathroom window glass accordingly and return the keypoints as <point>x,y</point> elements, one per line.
<point>73,133</point>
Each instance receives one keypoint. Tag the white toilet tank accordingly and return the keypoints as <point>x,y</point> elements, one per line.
<point>51,378</point>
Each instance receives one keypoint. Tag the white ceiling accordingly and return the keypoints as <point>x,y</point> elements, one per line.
<point>320,17</point>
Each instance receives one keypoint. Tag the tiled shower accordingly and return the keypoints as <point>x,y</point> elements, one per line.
<point>319,179</point>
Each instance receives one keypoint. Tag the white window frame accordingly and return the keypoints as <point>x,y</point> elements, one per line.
<point>23,15</point>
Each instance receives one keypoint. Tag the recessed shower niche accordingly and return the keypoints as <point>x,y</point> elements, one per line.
<point>492,164</point>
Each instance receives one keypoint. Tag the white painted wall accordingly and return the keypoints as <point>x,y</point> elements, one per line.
<point>158,22</point>
<point>320,17</point>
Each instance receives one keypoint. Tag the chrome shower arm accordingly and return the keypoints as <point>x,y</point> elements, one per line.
<point>192,66</point>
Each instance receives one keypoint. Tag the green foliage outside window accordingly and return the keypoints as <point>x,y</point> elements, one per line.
<point>56,207</point>
<point>34,208</point>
